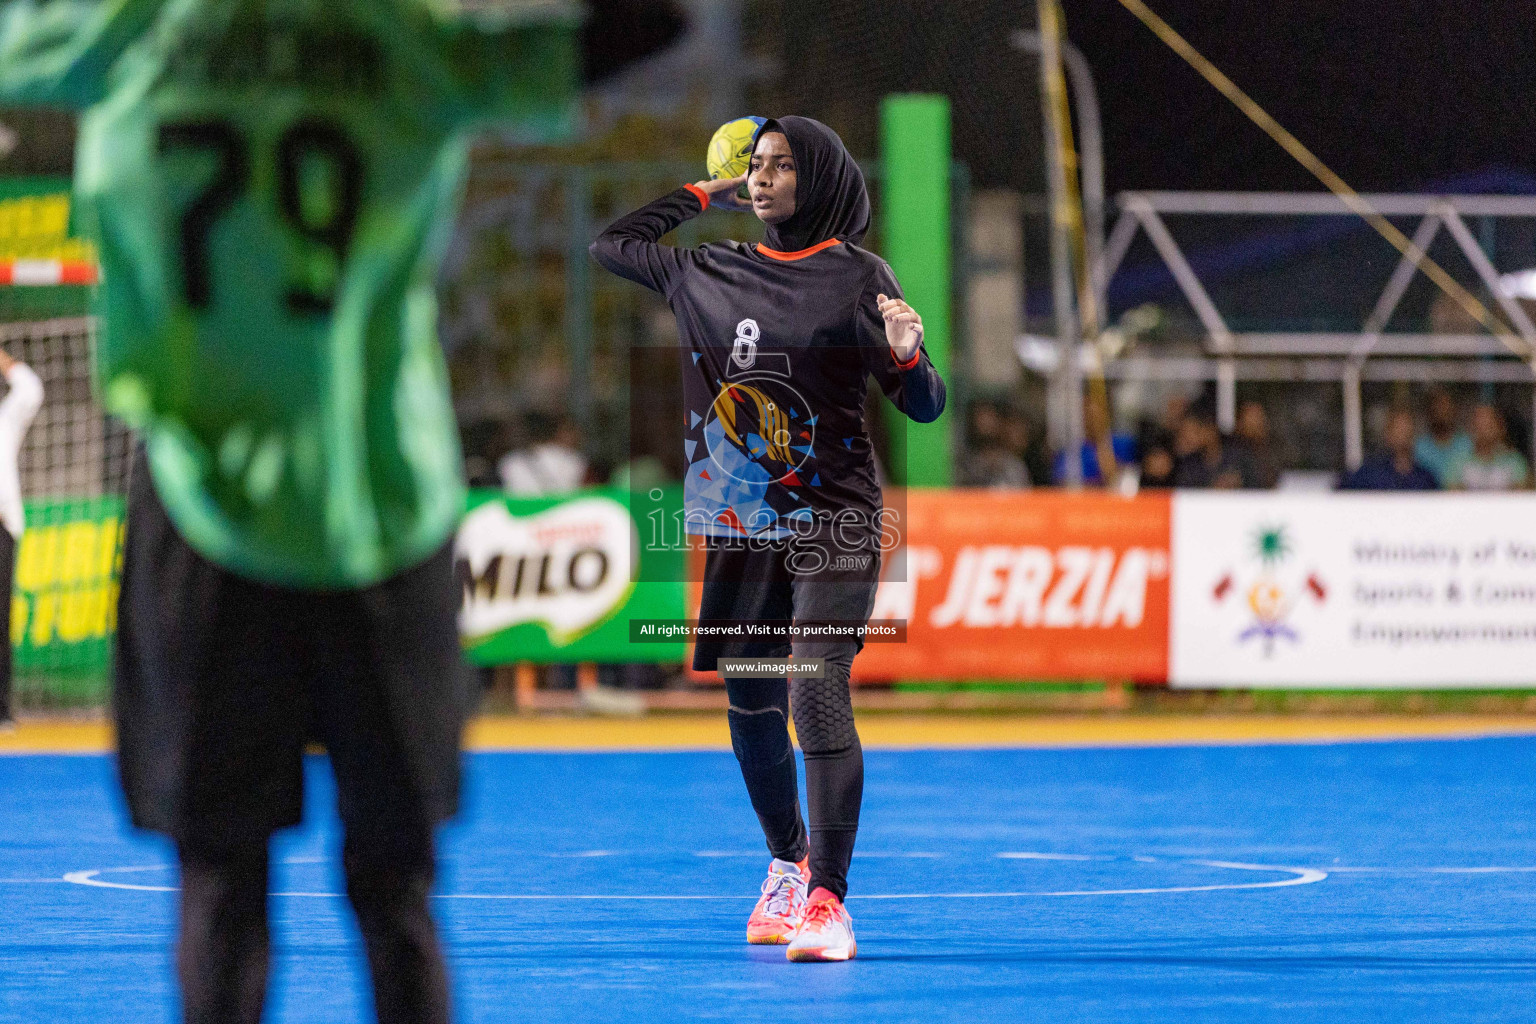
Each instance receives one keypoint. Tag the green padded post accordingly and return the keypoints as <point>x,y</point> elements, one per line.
<point>916,234</point>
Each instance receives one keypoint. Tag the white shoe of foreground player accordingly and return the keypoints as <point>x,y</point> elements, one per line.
<point>827,931</point>
<point>776,917</point>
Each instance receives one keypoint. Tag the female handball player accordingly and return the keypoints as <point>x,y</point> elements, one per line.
<point>778,342</point>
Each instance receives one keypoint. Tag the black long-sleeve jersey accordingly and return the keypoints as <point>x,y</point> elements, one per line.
<point>777,349</point>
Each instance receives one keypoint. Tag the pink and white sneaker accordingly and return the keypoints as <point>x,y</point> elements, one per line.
<point>826,933</point>
<point>776,917</point>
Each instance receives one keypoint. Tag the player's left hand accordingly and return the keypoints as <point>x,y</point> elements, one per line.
<point>903,327</point>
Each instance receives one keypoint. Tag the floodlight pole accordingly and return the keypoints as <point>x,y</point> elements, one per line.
<point>1068,418</point>
<point>1090,135</point>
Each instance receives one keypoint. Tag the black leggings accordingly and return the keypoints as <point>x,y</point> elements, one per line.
<point>223,954</point>
<point>834,762</point>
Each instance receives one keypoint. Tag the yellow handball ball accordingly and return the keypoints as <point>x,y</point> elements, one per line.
<point>730,151</point>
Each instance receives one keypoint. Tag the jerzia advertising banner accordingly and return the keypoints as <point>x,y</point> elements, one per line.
<point>1026,585</point>
<point>556,579</point>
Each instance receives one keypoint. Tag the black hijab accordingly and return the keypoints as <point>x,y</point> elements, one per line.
<point>830,198</point>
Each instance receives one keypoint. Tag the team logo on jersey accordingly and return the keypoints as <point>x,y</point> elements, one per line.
<point>758,430</point>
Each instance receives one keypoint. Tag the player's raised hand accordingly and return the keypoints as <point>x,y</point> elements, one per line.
<point>722,192</point>
<point>903,327</point>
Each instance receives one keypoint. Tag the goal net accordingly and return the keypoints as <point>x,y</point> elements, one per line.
<point>74,467</point>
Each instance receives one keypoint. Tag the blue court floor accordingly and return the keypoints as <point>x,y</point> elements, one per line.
<point>1333,883</point>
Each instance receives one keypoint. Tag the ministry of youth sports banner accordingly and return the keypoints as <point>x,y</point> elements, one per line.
<point>1372,590</point>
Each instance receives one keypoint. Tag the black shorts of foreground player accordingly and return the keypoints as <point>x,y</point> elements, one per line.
<point>779,342</point>
<point>220,683</point>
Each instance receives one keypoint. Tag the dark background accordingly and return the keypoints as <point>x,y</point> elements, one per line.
<point>1391,95</point>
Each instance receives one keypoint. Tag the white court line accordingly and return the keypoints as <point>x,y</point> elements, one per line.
<point>89,878</point>
<point>1300,876</point>
<point>1495,870</point>
<point>871,855</point>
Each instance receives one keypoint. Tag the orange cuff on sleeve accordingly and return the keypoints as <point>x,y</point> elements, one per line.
<point>700,195</point>
<point>917,353</point>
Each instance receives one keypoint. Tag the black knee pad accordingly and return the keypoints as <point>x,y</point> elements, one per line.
<point>759,717</point>
<point>823,707</point>
<point>385,860</point>
<point>225,864</point>
<point>391,892</point>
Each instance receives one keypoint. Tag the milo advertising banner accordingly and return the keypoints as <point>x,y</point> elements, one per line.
<point>545,580</point>
<point>558,579</point>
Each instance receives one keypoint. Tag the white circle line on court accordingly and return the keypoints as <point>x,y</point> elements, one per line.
<point>89,878</point>
<point>1439,870</point>
<point>1299,876</point>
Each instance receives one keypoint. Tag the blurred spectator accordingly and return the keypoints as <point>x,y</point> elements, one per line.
<point>479,472</point>
<point>1157,468</point>
<point>1444,443</point>
<point>1200,458</point>
<point>23,399</point>
<point>1491,465</point>
<point>1158,441</point>
<point>991,460</point>
<point>1027,439</point>
<point>551,464</point>
<point>1394,468</point>
<point>1100,443</point>
<point>1252,447</point>
<point>483,440</point>
<point>1017,441</point>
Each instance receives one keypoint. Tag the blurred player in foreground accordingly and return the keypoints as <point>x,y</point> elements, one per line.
<point>21,403</point>
<point>779,341</point>
<point>271,185</point>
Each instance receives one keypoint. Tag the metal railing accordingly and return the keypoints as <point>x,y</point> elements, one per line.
<point>1332,356</point>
